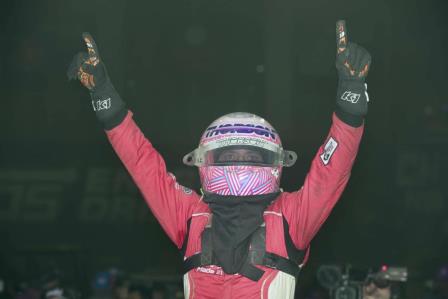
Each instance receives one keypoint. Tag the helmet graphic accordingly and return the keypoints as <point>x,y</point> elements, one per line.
<point>240,154</point>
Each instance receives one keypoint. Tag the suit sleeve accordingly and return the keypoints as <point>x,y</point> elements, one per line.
<point>169,202</point>
<point>307,209</point>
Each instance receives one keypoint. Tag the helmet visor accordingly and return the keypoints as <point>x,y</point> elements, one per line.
<point>240,155</point>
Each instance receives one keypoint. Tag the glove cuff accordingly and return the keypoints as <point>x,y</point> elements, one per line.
<point>110,109</point>
<point>350,119</point>
<point>115,120</point>
<point>352,85</point>
<point>352,98</point>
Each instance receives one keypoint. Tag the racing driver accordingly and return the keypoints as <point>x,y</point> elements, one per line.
<point>243,237</point>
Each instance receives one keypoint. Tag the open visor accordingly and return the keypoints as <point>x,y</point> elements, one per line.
<point>240,155</point>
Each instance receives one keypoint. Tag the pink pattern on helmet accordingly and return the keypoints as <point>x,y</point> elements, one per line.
<point>241,180</point>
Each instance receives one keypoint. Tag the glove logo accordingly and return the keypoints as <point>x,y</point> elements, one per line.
<point>350,97</point>
<point>329,149</point>
<point>101,104</point>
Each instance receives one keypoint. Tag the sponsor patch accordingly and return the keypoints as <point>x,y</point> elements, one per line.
<point>329,149</point>
<point>214,270</point>
<point>232,128</point>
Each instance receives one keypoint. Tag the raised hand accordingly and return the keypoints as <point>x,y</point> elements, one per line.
<point>87,67</point>
<point>90,70</point>
<point>352,60</point>
<point>353,64</point>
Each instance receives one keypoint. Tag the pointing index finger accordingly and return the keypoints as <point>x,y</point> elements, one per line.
<point>341,36</point>
<point>92,49</point>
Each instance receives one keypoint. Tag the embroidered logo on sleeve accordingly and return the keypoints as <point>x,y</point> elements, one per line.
<point>329,149</point>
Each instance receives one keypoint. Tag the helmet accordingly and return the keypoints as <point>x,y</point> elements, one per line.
<point>240,154</point>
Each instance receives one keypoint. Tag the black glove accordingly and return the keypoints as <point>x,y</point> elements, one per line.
<point>352,63</point>
<point>89,69</point>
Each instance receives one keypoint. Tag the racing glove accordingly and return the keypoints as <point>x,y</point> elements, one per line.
<point>352,64</point>
<point>90,70</point>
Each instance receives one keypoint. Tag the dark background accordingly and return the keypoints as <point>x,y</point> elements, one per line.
<point>65,200</point>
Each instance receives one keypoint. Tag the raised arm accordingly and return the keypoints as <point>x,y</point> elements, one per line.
<point>170,203</point>
<point>307,209</point>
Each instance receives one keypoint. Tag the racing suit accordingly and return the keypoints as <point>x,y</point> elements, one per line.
<point>305,210</point>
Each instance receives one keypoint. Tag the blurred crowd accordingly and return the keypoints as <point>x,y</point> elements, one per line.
<point>110,284</point>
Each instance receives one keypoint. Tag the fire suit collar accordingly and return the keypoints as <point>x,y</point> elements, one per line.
<point>235,219</point>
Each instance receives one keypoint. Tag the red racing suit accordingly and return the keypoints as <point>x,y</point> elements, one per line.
<point>305,210</point>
